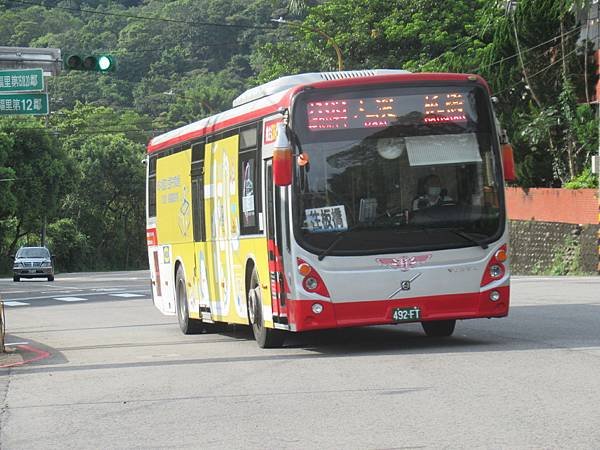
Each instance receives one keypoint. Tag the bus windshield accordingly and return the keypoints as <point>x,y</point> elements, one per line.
<point>396,169</point>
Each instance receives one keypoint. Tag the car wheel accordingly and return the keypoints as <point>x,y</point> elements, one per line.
<point>265,337</point>
<point>187,325</point>
<point>439,328</point>
<point>16,278</point>
<point>50,277</point>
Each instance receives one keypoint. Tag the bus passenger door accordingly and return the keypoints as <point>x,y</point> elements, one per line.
<point>201,290</point>
<point>274,246</point>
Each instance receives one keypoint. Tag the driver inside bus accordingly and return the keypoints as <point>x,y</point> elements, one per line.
<point>432,194</point>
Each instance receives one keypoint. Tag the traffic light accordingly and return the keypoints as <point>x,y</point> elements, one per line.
<point>94,63</point>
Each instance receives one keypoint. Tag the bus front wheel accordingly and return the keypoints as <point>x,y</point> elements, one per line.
<point>265,337</point>
<point>439,328</point>
<point>187,325</point>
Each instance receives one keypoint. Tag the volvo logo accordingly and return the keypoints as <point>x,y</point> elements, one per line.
<point>405,285</point>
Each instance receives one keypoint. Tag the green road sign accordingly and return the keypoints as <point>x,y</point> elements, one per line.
<point>23,104</point>
<point>21,80</point>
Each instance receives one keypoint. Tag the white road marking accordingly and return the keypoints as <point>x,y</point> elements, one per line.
<point>90,294</point>
<point>126,295</point>
<point>9,344</point>
<point>107,289</point>
<point>16,304</point>
<point>71,299</point>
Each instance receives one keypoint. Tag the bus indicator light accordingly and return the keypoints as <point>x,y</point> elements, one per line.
<point>494,296</point>
<point>501,255</point>
<point>317,308</point>
<point>304,269</point>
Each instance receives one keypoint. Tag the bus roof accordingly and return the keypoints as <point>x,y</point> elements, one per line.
<point>267,98</point>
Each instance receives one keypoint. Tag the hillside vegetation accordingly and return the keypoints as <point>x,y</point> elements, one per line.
<point>179,61</point>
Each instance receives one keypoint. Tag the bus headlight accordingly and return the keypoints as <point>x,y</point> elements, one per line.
<point>310,283</point>
<point>495,271</point>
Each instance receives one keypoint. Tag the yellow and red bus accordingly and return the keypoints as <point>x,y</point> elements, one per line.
<point>327,200</point>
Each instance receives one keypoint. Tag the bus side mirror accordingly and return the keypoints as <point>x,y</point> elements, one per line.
<point>282,158</point>
<point>508,163</point>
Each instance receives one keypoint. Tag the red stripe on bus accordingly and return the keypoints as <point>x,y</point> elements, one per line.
<point>379,312</point>
<point>255,114</point>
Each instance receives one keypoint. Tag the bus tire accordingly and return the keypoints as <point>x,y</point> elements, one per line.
<point>265,337</point>
<point>439,328</point>
<point>187,325</point>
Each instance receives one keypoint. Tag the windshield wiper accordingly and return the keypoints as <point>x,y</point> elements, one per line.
<point>469,237</point>
<point>341,235</point>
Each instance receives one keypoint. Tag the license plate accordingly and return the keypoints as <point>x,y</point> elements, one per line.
<point>406,314</point>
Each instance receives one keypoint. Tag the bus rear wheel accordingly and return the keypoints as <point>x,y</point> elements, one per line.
<point>187,325</point>
<point>265,337</point>
<point>439,328</point>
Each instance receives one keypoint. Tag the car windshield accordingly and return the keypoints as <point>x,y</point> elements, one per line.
<point>33,253</point>
<point>395,170</point>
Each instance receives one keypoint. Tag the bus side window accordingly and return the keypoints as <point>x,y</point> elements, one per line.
<point>249,181</point>
<point>198,192</point>
<point>152,186</point>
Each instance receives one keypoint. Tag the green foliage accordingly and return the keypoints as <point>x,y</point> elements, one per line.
<point>585,180</point>
<point>83,176</point>
<point>69,246</point>
<point>373,34</point>
<point>566,258</point>
<point>41,171</point>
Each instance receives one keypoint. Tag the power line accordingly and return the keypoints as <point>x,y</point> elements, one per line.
<point>460,44</point>
<point>137,17</point>
<point>528,49</point>
<point>85,130</point>
<point>157,49</point>
<point>537,73</point>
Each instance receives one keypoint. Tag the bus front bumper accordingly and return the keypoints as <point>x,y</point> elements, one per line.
<point>379,312</point>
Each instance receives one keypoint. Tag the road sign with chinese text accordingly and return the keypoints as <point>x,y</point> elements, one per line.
<point>23,104</point>
<point>21,80</point>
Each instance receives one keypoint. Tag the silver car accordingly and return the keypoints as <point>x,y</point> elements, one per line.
<point>33,262</point>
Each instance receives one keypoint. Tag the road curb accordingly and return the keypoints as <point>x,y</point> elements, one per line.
<point>23,354</point>
<point>10,357</point>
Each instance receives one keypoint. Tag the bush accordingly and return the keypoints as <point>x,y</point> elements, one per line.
<point>69,246</point>
<point>585,180</point>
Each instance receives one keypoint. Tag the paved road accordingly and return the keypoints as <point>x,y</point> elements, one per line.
<point>81,287</point>
<point>120,375</point>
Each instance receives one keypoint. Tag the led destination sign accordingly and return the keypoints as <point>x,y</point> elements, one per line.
<point>380,112</point>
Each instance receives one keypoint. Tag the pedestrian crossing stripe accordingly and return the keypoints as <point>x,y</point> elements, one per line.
<point>126,295</point>
<point>16,304</point>
<point>71,299</point>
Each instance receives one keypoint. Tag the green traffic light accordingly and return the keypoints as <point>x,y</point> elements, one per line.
<point>97,63</point>
<point>106,63</point>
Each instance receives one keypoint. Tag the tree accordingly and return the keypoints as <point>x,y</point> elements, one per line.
<point>107,206</point>
<point>375,34</point>
<point>40,169</point>
<point>539,83</point>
